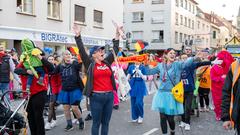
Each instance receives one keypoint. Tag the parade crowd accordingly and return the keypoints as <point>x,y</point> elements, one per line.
<point>207,81</point>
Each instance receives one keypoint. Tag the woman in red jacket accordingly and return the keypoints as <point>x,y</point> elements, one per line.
<point>37,96</point>
<point>55,86</point>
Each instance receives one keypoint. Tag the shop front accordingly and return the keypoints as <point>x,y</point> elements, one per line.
<point>50,42</point>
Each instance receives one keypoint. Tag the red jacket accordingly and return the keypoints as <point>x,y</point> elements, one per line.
<point>55,83</point>
<point>35,87</point>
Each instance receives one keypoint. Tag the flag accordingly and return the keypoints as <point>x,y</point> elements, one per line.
<point>140,45</point>
<point>74,51</point>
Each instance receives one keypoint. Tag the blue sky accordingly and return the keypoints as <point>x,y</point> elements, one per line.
<point>226,8</point>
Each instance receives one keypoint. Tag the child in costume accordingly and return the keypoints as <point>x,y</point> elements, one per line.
<point>136,74</point>
<point>31,62</point>
<point>218,73</point>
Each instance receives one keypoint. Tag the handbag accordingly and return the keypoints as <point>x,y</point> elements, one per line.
<point>177,90</point>
<point>124,86</point>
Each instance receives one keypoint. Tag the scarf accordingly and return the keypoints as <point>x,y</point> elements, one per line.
<point>2,54</point>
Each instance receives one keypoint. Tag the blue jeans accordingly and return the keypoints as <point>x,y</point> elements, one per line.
<point>137,107</point>
<point>40,71</point>
<point>4,87</point>
<point>101,108</point>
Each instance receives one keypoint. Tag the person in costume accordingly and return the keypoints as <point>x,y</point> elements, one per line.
<point>100,81</point>
<point>187,76</point>
<point>71,93</point>
<point>218,74</point>
<point>136,74</point>
<point>32,62</point>
<point>163,101</point>
<point>37,93</point>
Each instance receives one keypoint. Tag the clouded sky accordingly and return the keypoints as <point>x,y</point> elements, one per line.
<point>227,8</point>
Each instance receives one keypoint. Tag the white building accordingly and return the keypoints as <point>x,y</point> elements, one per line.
<point>49,22</point>
<point>161,23</point>
<point>202,31</point>
<point>238,20</point>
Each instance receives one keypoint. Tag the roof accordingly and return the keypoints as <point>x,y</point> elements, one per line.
<point>193,1</point>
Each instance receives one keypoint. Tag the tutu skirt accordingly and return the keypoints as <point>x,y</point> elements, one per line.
<point>164,102</point>
<point>69,97</point>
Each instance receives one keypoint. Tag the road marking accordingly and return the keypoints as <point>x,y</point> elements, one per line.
<point>151,131</point>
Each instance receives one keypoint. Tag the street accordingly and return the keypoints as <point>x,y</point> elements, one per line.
<point>120,125</point>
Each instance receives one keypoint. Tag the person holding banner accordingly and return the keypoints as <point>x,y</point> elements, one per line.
<point>100,81</point>
<point>136,74</point>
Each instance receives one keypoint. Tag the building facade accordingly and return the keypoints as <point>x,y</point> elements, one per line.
<point>49,22</point>
<point>238,20</point>
<point>161,23</point>
<point>202,31</point>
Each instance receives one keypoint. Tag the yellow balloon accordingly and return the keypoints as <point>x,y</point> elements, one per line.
<point>36,52</point>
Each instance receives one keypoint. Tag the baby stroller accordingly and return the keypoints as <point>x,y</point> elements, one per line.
<point>12,122</point>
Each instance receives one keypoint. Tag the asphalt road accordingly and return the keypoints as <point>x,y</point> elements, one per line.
<point>120,125</point>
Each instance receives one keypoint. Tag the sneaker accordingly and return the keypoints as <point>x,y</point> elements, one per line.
<point>182,124</point>
<point>68,128</point>
<point>207,109</point>
<point>53,123</point>
<point>187,127</point>
<point>218,118</point>
<point>201,109</point>
<point>48,126</point>
<point>134,121</point>
<point>140,120</point>
<point>89,117</point>
<point>116,107</point>
<point>81,125</point>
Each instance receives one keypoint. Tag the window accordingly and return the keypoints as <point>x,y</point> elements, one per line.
<point>193,9</point>
<point>177,3</point>
<point>176,37</point>
<point>98,18</point>
<point>207,27</point>
<point>185,37</point>
<point>190,7</point>
<point>203,26</point>
<point>181,3</point>
<point>176,17</point>
<point>186,4</point>
<point>157,1</point>
<point>79,14</point>
<point>137,1</point>
<point>189,23</point>
<point>137,35</point>
<point>198,24</point>
<point>181,20</point>
<point>180,37</point>
<point>158,36</point>
<point>185,21</point>
<point>192,24</point>
<point>54,9</point>
<point>158,17</point>
<point>138,16</point>
<point>214,34</point>
<point>25,6</point>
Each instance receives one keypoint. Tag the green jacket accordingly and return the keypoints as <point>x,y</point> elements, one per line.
<point>27,47</point>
